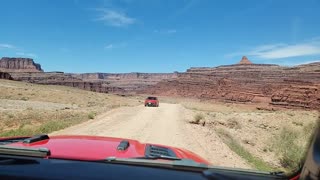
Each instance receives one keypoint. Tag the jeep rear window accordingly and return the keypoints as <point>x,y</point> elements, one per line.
<point>152,98</point>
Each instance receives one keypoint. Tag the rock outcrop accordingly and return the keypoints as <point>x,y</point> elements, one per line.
<point>4,75</point>
<point>297,86</point>
<point>98,82</point>
<point>130,82</point>
<point>294,87</point>
<point>19,65</point>
<point>60,78</point>
<point>245,60</point>
<point>24,69</point>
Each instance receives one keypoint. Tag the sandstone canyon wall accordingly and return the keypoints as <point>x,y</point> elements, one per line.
<point>245,82</point>
<point>19,65</point>
<point>24,69</point>
<point>130,82</point>
<point>5,75</point>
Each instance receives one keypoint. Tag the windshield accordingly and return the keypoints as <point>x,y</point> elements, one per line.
<point>152,98</point>
<point>237,83</point>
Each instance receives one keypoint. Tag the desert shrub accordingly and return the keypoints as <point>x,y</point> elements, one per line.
<point>24,98</point>
<point>236,147</point>
<point>297,123</point>
<point>91,115</point>
<point>234,124</point>
<point>287,147</point>
<point>290,113</point>
<point>197,118</point>
<point>292,145</point>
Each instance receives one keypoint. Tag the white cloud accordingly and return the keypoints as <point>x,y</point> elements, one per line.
<point>109,46</point>
<point>26,54</point>
<point>289,63</point>
<point>288,51</point>
<point>308,62</point>
<point>116,45</point>
<point>280,50</point>
<point>7,46</point>
<point>298,63</point>
<point>115,18</point>
<point>166,31</point>
<point>17,50</point>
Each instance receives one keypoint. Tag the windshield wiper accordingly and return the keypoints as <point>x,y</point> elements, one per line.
<point>22,151</point>
<point>176,163</point>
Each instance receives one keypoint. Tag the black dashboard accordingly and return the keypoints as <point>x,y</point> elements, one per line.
<point>39,168</point>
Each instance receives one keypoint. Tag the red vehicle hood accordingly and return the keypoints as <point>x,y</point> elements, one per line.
<point>98,148</point>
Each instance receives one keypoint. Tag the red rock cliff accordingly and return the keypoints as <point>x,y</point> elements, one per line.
<point>4,75</point>
<point>19,65</point>
<point>255,83</point>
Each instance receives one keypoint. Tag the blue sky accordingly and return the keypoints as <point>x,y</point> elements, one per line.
<point>158,35</point>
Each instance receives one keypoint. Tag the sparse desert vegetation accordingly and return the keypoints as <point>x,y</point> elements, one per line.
<point>290,145</point>
<point>235,146</point>
<point>197,118</point>
<point>267,140</point>
<point>28,109</point>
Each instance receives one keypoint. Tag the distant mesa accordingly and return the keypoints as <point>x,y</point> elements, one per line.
<point>243,82</point>
<point>245,60</point>
<point>19,65</point>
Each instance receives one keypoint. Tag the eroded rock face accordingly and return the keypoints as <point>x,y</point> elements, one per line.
<point>297,86</point>
<point>130,82</point>
<point>250,83</point>
<point>4,75</point>
<point>60,78</point>
<point>98,82</point>
<point>19,65</point>
<point>24,69</point>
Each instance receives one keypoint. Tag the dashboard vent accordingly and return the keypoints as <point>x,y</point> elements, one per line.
<point>152,150</point>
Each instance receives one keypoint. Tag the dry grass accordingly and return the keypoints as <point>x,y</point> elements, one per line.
<point>13,90</point>
<point>290,145</point>
<point>235,146</point>
<point>233,123</point>
<point>258,132</point>
<point>27,109</point>
<point>197,118</point>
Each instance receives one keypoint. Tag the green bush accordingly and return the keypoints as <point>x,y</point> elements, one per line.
<point>91,115</point>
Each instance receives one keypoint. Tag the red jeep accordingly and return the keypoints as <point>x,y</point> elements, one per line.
<point>151,101</point>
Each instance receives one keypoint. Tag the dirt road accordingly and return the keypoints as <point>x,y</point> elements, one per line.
<point>166,125</point>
